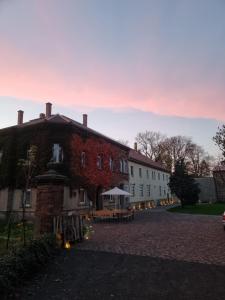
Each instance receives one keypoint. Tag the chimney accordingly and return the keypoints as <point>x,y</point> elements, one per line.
<point>85,120</point>
<point>20,117</point>
<point>135,146</point>
<point>42,116</point>
<point>48,110</point>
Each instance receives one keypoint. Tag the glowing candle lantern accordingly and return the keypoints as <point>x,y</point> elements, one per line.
<point>67,245</point>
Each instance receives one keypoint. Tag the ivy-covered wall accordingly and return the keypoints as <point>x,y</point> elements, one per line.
<point>15,141</point>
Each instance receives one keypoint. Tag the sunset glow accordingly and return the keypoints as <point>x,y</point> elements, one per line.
<point>166,59</point>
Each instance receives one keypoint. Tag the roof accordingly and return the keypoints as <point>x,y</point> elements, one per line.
<point>137,157</point>
<point>134,156</point>
<point>61,119</point>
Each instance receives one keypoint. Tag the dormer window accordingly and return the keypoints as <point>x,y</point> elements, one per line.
<point>57,153</point>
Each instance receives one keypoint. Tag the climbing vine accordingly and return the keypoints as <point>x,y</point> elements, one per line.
<point>15,142</point>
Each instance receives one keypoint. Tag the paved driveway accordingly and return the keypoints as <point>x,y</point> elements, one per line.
<point>159,233</point>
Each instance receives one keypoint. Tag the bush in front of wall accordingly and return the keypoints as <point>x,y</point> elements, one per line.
<point>24,262</point>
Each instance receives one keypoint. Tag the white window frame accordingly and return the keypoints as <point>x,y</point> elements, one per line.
<point>140,172</point>
<point>132,171</point>
<point>132,189</point>
<point>26,201</point>
<point>141,190</point>
<point>148,190</point>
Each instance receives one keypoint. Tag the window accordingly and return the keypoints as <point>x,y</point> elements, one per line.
<point>160,191</point>
<point>99,162</point>
<point>147,174</point>
<point>153,175</point>
<point>26,198</point>
<point>158,176</point>
<point>111,164</point>
<point>164,192</point>
<point>132,171</point>
<point>140,172</point>
<point>82,196</point>
<point>163,177</point>
<point>132,189</point>
<point>57,153</point>
<point>83,159</point>
<point>121,166</point>
<point>148,189</point>
<point>1,154</point>
<point>141,190</point>
<point>125,166</point>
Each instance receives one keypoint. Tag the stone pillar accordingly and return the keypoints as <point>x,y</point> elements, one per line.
<point>49,203</point>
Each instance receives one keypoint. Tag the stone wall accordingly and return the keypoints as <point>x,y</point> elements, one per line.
<point>207,189</point>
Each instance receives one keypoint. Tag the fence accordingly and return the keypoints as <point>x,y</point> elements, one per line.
<point>69,227</point>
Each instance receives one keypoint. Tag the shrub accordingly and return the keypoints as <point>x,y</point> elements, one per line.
<point>24,262</point>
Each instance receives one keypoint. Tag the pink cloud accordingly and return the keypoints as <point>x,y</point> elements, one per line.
<point>101,86</point>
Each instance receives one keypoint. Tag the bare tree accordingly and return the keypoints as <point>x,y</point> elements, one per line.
<point>199,163</point>
<point>169,150</point>
<point>174,149</point>
<point>219,139</point>
<point>149,143</point>
<point>28,166</point>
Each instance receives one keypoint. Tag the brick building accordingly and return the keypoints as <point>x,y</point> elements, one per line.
<point>91,161</point>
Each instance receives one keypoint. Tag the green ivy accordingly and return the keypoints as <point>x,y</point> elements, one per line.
<point>15,141</point>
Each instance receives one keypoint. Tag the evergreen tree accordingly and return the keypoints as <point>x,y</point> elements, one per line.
<point>183,185</point>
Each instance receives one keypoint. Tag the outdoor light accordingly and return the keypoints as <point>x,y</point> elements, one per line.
<point>67,245</point>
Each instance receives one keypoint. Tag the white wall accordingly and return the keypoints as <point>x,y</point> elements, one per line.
<point>156,179</point>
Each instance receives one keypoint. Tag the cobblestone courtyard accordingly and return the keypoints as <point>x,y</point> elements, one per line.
<point>159,233</point>
<point>159,255</point>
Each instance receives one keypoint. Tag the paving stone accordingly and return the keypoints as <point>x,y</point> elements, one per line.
<point>158,233</point>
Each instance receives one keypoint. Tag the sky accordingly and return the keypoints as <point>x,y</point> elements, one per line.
<point>132,65</point>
